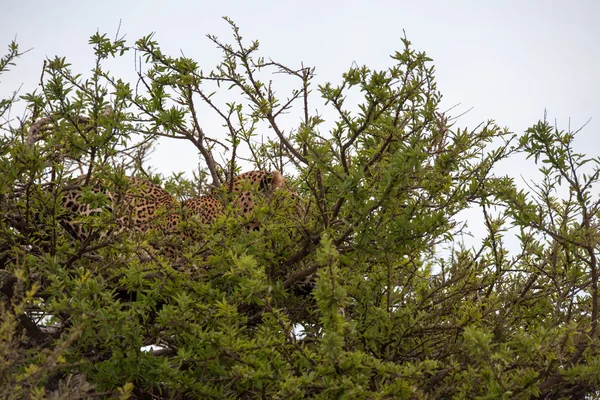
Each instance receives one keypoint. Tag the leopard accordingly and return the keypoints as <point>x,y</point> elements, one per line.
<point>265,182</point>
<point>204,208</point>
<point>245,187</point>
<point>138,205</point>
<point>141,205</point>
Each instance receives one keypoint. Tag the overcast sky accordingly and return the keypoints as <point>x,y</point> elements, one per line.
<point>508,60</point>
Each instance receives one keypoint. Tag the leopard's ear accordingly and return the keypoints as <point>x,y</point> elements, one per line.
<point>277,181</point>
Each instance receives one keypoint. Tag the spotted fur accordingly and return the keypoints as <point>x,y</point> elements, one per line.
<point>205,208</point>
<point>246,186</point>
<point>142,205</point>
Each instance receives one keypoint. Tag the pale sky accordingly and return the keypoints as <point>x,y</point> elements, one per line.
<point>507,60</point>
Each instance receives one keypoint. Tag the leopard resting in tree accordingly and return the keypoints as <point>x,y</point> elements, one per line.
<point>142,205</point>
<point>137,205</point>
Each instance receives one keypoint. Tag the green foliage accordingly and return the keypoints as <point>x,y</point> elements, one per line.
<point>357,286</point>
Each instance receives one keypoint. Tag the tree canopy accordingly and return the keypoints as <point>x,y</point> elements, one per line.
<point>359,286</point>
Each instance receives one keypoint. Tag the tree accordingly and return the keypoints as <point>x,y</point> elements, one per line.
<point>357,286</point>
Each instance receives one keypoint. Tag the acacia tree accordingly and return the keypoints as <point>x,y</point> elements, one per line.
<point>390,313</point>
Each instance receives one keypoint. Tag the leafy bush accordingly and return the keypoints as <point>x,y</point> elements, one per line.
<point>358,286</point>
